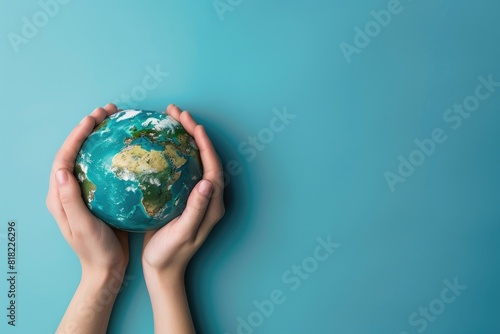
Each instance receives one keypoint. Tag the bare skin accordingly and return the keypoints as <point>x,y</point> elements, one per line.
<point>103,252</point>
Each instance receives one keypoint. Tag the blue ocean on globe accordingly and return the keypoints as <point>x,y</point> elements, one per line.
<point>136,170</point>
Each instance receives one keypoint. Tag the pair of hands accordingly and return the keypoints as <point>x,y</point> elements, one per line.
<point>102,249</point>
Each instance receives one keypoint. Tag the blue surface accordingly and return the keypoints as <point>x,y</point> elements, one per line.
<point>322,172</point>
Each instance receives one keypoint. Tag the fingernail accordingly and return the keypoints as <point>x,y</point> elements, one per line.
<point>205,187</point>
<point>61,177</point>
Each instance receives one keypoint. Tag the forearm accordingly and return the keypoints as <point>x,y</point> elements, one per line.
<point>169,302</point>
<point>91,306</point>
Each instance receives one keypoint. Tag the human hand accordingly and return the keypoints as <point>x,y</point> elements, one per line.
<point>103,251</point>
<point>100,248</point>
<point>167,252</point>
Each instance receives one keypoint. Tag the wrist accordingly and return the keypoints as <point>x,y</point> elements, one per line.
<point>92,302</point>
<point>108,281</point>
<point>168,300</point>
<point>91,269</point>
<point>163,279</point>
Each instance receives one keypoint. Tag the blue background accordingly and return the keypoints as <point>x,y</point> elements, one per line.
<point>322,175</point>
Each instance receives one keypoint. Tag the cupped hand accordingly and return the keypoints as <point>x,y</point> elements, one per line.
<point>98,246</point>
<point>170,248</point>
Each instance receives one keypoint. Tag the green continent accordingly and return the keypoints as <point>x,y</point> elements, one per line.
<point>151,171</point>
<point>154,198</point>
<point>87,187</point>
<point>153,135</point>
<point>179,138</point>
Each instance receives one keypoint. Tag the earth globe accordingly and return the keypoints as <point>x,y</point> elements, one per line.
<point>136,170</point>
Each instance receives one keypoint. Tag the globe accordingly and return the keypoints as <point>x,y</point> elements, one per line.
<point>136,170</point>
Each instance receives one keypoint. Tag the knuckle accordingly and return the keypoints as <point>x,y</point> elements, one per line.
<point>187,237</point>
<point>78,232</point>
<point>219,180</point>
<point>222,209</point>
<point>48,204</point>
<point>85,228</point>
<point>193,209</point>
<point>65,197</point>
<point>199,203</point>
<point>220,213</point>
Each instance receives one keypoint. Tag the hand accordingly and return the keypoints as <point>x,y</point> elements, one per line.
<point>166,252</point>
<point>103,252</point>
<point>99,247</point>
<point>169,249</point>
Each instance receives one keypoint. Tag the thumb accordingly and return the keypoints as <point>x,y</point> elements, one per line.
<point>70,196</point>
<point>196,206</point>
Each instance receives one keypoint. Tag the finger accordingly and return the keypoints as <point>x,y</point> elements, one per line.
<point>110,109</point>
<point>196,207</point>
<point>174,112</point>
<point>66,156</point>
<point>206,226</point>
<point>188,122</point>
<point>79,217</point>
<point>99,115</point>
<point>57,211</point>
<point>171,105</point>
<point>212,164</point>
<point>214,214</point>
<point>212,169</point>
